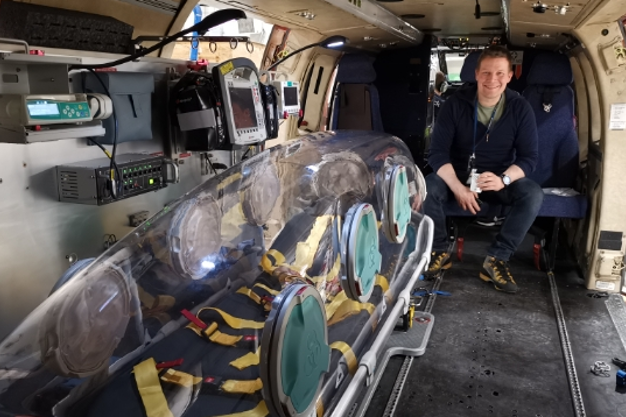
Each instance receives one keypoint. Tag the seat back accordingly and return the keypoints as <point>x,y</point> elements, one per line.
<point>356,104</point>
<point>552,99</point>
<point>468,70</point>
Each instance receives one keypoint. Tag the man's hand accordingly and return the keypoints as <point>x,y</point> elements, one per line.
<point>467,199</point>
<point>488,181</point>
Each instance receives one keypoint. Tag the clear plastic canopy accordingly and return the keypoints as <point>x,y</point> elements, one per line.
<point>172,320</point>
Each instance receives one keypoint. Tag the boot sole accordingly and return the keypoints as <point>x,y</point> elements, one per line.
<point>440,270</point>
<point>487,278</point>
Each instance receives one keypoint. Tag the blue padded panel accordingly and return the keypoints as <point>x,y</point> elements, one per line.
<point>356,69</point>
<point>558,142</point>
<point>468,70</point>
<point>565,207</point>
<point>551,69</point>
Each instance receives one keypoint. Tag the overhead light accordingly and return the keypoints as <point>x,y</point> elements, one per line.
<point>306,14</point>
<point>333,41</point>
<point>477,10</point>
<point>539,7</point>
<point>561,9</point>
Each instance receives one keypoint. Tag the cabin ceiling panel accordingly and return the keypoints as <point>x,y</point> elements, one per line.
<point>522,11</point>
<point>145,21</point>
<point>453,17</point>
<point>327,18</point>
<point>544,36</point>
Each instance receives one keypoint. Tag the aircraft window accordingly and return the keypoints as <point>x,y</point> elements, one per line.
<point>255,29</point>
<point>454,63</point>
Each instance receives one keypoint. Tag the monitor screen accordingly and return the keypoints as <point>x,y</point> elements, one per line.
<point>291,96</point>
<point>43,109</point>
<point>242,103</point>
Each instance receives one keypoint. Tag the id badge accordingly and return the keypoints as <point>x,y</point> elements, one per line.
<point>471,163</point>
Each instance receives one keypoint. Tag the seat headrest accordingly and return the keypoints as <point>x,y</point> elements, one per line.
<point>356,69</point>
<point>550,69</point>
<point>468,70</point>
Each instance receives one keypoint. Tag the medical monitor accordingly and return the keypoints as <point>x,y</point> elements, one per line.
<point>244,117</point>
<point>288,98</point>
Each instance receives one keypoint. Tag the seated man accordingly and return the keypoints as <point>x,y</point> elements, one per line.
<point>489,131</point>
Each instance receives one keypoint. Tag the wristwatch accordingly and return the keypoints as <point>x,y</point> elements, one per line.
<point>505,179</point>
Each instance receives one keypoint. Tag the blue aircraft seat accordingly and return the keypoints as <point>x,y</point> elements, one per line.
<point>552,99</point>
<point>356,103</point>
<point>468,70</point>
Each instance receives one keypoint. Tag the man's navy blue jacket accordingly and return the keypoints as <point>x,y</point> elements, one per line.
<point>512,140</point>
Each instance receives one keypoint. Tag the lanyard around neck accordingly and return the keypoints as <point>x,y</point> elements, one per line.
<point>493,115</point>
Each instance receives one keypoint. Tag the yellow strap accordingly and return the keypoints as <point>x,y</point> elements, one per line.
<point>268,289</point>
<point>224,339</point>
<point>259,411</point>
<point>348,354</point>
<point>194,328</point>
<point>305,251</point>
<point>247,360</point>
<point>320,407</point>
<point>145,298</point>
<point>242,387</point>
<point>231,220</point>
<point>350,308</point>
<point>180,378</point>
<point>235,322</point>
<point>229,181</point>
<point>214,335</point>
<point>331,274</point>
<point>149,387</point>
<point>267,264</point>
<point>251,294</point>
<point>331,308</point>
<point>382,282</point>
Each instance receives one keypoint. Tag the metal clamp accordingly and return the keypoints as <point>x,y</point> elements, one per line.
<point>17,42</point>
<point>234,42</point>
<point>176,177</point>
<point>250,46</point>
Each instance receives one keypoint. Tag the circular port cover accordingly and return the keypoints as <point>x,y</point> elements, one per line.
<point>295,350</point>
<point>360,253</point>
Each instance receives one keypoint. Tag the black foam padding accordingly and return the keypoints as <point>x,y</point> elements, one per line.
<point>66,29</point>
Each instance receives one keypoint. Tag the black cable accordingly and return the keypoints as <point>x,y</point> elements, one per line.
<point>210,163</point>
<point>115,134</point>
<point>99,145</point>
<point>245,153</point>
<point>180,8</point>
<point>297,51</point>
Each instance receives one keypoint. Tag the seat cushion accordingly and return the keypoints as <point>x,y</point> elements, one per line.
<point>574,207</point>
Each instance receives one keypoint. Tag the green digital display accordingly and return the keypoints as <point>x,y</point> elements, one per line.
<point>57,110</point>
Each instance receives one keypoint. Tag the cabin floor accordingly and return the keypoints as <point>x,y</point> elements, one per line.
<point>497,354</point>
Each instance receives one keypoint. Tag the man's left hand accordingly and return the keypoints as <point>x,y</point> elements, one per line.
<point>488,181</point>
